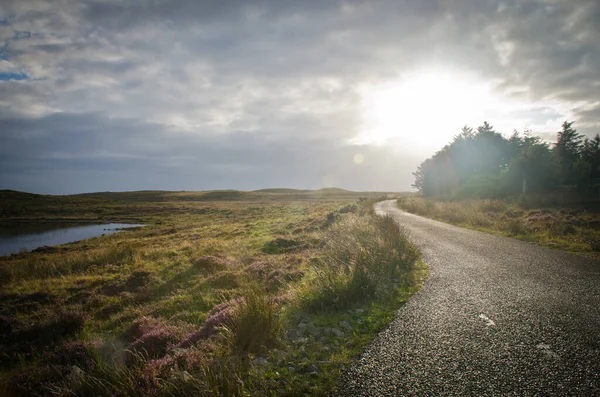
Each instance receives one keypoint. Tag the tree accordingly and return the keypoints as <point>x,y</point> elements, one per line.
<point>483,163</point>
<point>588,165</point>
<point>533,162</point>
<point>567,152</point>
<point>471,156</point>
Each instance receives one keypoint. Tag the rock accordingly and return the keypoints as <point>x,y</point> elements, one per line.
<point>314,331</point>
<point>337,333</point>
<point>359,311</point>
<point>260,361</point>
<point>291,369</point>
<point>302,351</point>
<point>345,324</point>
<point>302,326</point>
<point>292,334</point>
<point>280,354</point>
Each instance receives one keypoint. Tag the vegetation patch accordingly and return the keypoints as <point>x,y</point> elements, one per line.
<point>262,294</point>
<point>574,228</point>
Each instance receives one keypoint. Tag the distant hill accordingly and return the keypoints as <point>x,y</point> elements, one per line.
<point>325,190</point>
<point>333,190</point>
<point>12,198</point>
<point>281,190</point>
<point>7,194</point>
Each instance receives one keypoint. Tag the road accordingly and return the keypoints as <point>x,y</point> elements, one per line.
<point>497,316</point>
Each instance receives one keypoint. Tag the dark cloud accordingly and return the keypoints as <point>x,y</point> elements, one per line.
<point>144,94</point>
<point>105,154</point>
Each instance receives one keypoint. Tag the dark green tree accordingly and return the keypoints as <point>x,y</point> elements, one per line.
<point>483,163</point>
<point>532,162</point>
<point>567,153</point>
<point>588,165</point>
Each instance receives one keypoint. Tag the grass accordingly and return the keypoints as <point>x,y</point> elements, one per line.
<point>573,228</point>
<point>238,294</point>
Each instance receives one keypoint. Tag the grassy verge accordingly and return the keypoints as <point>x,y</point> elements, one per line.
<point>230,297</point>
<point>574,228</point>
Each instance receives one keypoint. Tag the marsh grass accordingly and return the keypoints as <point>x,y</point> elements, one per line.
<point>200,301</point>
<point>575,228</point>
<point>365,257</point>
<point>255,325</point>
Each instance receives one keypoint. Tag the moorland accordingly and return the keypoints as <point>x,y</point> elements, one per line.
<point>270,292</point>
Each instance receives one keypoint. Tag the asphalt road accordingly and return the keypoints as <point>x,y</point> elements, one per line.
<point>497,317</point>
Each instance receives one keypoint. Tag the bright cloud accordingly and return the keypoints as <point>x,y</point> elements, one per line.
<point>124,95</point>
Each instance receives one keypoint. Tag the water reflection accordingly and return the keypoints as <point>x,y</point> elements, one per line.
<point>28,236</point>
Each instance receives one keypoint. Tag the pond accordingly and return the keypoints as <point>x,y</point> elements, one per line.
<point>29,236</point>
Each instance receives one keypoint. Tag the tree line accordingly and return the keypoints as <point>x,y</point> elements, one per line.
<point>482,163</point>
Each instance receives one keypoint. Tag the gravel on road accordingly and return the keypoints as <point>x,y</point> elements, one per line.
<point>497,317</point>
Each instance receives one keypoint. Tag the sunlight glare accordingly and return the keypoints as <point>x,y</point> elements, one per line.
<point>425,109</point>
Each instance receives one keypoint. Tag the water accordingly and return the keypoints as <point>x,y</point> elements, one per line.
<point>30,236</point>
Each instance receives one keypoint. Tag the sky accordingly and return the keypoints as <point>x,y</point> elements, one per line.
<point>117,95</point>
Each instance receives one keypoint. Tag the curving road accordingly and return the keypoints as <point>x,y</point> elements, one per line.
<point>497,317</point>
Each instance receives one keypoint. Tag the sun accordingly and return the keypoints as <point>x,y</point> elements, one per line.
<point>423,109</point>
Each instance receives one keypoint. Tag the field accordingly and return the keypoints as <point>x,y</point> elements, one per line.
<point>572,227</point>
<point>221,293</point>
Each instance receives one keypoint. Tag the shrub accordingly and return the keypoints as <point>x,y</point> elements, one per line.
<point>365,257</point>
<point>210,263</point>
<point>155,343</point>
<point>224,280</point>
<point>57,327</point>
<point>38,381</point>
<point>155,374</point>
<point>137,280</point>
<point>274,276</point>
<point>515,227</point>
<point>260,269</point>
<point>73,353</point>
<point>492,205</point>
<point>281,245</point>
<point>353,208</point>
<point>255,324</point>
<point>140,327</point>
<point>223,316</point>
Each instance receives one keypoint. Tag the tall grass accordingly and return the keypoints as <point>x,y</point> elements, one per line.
<point>42,267</point>
<point>255,325</point>
<point>199,306</point>
<point>573,228</point>
<point>365,257</point>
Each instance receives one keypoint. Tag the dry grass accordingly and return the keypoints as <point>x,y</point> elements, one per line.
<point>574,228</point>
<point>188,304</point>
<point>365,257</point>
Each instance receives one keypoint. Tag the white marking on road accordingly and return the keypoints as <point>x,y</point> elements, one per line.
<point>546,349</point>
<point>487,320</point>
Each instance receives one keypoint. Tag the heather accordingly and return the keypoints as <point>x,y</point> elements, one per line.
<point>214,296</point>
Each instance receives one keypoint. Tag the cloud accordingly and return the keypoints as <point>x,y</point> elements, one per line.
<point>264,93</point>
<point>109,154</point>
